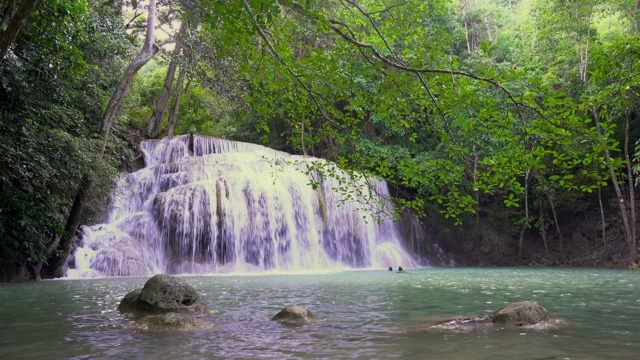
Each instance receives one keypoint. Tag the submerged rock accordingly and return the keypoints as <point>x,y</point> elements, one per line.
<point>464,322</point>
<point>294,314</point>
<point>165,302</point>
<point>171,321</point>
<point>524,313</point>
<point>129,302</point>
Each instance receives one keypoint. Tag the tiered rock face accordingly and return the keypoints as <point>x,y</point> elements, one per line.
<point>205,205</point>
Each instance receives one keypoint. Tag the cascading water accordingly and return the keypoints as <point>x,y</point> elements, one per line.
<point>206,205</point>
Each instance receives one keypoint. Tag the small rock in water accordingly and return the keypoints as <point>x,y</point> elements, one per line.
<point>294,314</point>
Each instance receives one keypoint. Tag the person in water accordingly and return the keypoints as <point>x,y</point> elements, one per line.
<point>400,269</point>
<point>390,268</point>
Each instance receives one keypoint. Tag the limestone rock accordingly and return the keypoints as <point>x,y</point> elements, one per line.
<point>520,314</point>
<point>165,293</point>
<point>171,321</point>
<point>294,314</point>
<point>525,313</point>
<point>129,301</point>
<point>165,303</point>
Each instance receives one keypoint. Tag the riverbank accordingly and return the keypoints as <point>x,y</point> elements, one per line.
<point>579,244</point>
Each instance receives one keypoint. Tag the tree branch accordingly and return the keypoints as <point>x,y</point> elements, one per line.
<point>279,59</point>
<point>13,28</point>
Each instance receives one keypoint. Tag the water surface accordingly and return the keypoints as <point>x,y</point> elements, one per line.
<point>371,314</point>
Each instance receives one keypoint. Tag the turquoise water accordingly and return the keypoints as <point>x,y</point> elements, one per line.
<point>364,315</point>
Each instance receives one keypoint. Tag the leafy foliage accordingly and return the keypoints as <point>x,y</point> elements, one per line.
<point>53,87</point>
<point>461,106</point>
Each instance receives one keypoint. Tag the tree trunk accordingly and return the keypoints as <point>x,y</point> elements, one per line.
<point>632,193</point>
<point>555,220</point>
<point>13,28</point>
<point>163,99</point>
<point>602,217</point>
<point>55,268</point>
<point>622,206</point>
<point>148,51</point>
<point>475,190</point>
<point>175,107</point>
<point>543,230</point>
<point>526,212</point>
<point>56,264</point>
<point>627,219</point>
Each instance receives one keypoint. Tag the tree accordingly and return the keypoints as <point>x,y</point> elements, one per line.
<point>59,70</point>
<point>148,50</point>
<point>14,20</point>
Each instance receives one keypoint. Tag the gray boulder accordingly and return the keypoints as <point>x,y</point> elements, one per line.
<point>295,315</point>
<point>165,302</point>
<point>521,313</point>
<point>165,293</point>
<point>524,313</point>
<point>129,302</point>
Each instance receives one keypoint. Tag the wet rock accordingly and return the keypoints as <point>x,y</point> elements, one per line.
<point>520,314</point>
<point>464,322</point>
<point>524,313</point>
<point>129,301</point>
<point>165,302</point>
<point>294,314</point>
<point>171,321</point>
<point>165,293</point>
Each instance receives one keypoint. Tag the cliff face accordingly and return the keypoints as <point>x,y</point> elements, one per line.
<point>579,243</point>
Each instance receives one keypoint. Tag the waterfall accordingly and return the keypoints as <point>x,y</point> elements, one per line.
<point>206,205</point>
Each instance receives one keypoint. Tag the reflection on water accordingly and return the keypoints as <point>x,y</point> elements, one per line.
<point>364,315</point>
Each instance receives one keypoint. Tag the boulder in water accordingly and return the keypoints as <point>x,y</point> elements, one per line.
<point>295,315</point>
<point>521,313</point>
<point>165,302</point>
<point>165,293</point>
<point>129,301</point>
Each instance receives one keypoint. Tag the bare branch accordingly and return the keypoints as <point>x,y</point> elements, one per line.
<point>131,25</point>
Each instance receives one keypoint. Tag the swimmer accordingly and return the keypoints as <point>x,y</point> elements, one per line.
<point>400,269</point>
<point>390,268</point>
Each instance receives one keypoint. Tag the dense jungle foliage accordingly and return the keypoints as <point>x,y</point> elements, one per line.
<point>508,126</point>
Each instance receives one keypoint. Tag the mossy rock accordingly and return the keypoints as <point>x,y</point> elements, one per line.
<point>521,313</point>
<point>129,302</point>
<point>164,294</point>
<point>524,313</point>
<point>295,315</point>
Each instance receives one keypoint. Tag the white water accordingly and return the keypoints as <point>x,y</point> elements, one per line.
<point>205,205</point>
